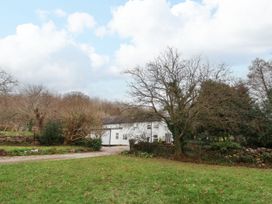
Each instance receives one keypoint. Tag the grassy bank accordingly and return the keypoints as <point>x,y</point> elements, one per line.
<point>120,179</point>
<point>40,150</point>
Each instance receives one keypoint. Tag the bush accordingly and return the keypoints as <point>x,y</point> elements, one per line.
<point>137,154</point>
<point>155,148</point>
<point>93,143</point>
<point>246,158</point>
<point>51,134</point>
<point>225,147</point>
<point>267,157</point>
<point>40,150</point>
<point>131,143</point>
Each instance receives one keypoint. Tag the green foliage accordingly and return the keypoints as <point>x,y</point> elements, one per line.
<point>40,150</point>
<point>52,134</point>
<point>246,158</point>
<point>267,157</point>
<point>138,154</point>
<point>144,155</point>
<point>125,152</point>
<point>223,111</point>
<point>155,148</point>
<point>93,143</point>
<point>225,146</point>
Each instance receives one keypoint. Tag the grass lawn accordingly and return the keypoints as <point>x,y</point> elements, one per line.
<point>39,150</point>
<point>18,133</point>
<point>121,179</point>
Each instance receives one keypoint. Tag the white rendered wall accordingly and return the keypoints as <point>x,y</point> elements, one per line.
<point>126,131</point>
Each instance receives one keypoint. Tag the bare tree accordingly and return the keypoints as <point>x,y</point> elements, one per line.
<point>35,103</point>
<point>7,82</point>
<point>80,117</point>
<point>260,79</point>
<point>170,86</point>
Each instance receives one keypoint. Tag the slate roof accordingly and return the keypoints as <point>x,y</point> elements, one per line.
<point>130,119</point>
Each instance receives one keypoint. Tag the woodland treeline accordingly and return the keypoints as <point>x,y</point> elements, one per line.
<point>31,107</point>
<point>204,102</point>
<point>197,100</point>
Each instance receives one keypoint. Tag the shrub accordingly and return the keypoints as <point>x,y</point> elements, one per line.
<point>137,154</point>
<point>246,158</point>
<point>131,143</point>
<point>225,147</point>
<point>155,148</point>
<point>143,154</point>
<point>267,157</point>
<point>93,143</point>
<point>40,150</point>
<point>126,152</point>
<point>51,134</point>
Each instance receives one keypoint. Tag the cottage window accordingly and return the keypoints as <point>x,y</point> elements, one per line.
<point>148,126</point>
<point>117,136</point>
<point>155,138</point>
<point>125,136</point>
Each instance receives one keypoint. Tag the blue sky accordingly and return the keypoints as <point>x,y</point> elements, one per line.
<point>16,12</point>
<point>86,45</point>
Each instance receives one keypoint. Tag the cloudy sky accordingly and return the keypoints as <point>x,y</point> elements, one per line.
<point>85,45</point>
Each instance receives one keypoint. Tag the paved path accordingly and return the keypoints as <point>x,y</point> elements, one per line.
<point>105,151</point>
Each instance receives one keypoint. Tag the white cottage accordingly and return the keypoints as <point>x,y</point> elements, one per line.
<point>118,131</point>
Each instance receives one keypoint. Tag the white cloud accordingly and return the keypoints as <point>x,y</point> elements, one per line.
<point>101,31</point>
<point>43,14</point>
<point>234,31</point>
<point>60,13</point>
<point>48,55</point>
<point>96,59</point>
<point>77,22</point>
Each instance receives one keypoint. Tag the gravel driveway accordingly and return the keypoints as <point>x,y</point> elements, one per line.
<point>105,151</point>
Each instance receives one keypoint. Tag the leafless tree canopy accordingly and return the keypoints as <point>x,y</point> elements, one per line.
<point>7,82</point>
<point>260,79</point>
<point>34,105</point>
<point>170,86</point>
<point>36,102</point>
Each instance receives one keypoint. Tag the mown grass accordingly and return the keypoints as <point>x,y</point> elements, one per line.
<point>16,133</point>
<point>120,179</point>
<point>40,150</point>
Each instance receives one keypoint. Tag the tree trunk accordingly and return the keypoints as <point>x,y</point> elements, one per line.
<point>39,118</point>
<point>178,149</point>
<point>65,142</point>
<point>177,136</point>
